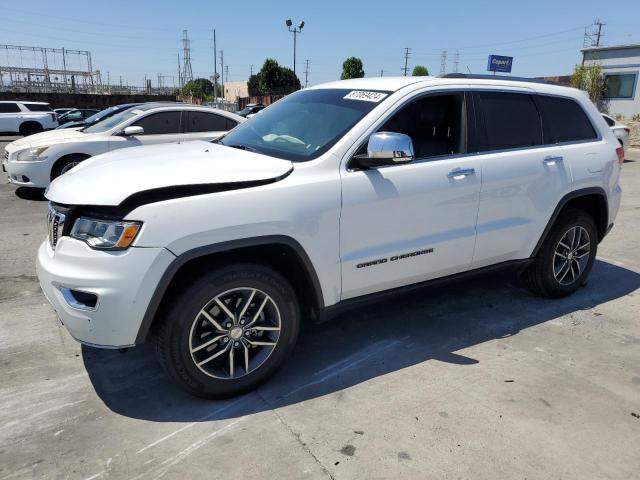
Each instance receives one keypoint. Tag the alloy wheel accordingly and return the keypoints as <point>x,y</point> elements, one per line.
<point>234,333</point>
<point>571,255</point>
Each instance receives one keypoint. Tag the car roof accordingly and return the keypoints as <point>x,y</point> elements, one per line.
<point>24,101</point>
<point>393,84</point>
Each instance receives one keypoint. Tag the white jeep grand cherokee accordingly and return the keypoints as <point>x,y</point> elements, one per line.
<point>330,196</point>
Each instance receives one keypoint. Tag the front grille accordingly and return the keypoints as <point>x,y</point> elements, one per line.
<point>55,224</point>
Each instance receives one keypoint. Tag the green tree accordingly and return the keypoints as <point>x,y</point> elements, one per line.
<point>352,68</point>
<point>590,78</point>
<point>273,79</point>
<point>200,88</point>
<point>420,71</point>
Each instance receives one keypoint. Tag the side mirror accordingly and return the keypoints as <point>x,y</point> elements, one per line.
<point>130,131</point>
<point>385,148</point>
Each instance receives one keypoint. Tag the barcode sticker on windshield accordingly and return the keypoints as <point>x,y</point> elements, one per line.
<point>365,96</point>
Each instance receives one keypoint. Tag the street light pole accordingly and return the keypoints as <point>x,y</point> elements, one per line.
<point>295,31</point>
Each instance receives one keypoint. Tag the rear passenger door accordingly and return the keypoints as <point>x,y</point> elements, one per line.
<point>206,125</point>
<point>160,127</point>
<point>522,178</point>
<point>10,117</point>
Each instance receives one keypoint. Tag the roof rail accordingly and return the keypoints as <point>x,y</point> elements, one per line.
<point>497,77</point>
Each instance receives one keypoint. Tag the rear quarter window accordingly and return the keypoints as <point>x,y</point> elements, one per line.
<point>37,107</point>
<point>564,120</point>
<point>9,108</point>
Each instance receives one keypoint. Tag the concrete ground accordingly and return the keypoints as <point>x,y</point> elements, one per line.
<point>475,380</point>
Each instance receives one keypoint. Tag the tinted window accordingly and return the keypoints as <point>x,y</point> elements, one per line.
<point>434,124</point>
<point>160,123</point>
<point>564,120</point>
<point>37,107</point>
<point>610,121</point>
<point>230,123</point>
<point>206,122</point>
<point>510,120</point>
<point>9,108</point>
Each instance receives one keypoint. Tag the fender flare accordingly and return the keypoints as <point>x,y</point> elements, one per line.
<point>183,258</point>
<point>583,192</point>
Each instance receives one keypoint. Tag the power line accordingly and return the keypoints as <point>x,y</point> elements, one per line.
<point>407,50</point>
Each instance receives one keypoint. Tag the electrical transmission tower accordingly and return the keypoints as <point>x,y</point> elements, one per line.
<point>443,62</point>
<point>593,34</point>
<point>407,51</point>
<point>306,72</point>
<point>456,60</point>
<point>187,72</point>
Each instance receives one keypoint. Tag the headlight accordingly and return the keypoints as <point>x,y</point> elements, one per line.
<point>105,234</point>
<point>32,154</point>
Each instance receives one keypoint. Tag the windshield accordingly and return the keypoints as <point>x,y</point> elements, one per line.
<point>96,117</point>
<point>305,124</point>
<point>112,121</point>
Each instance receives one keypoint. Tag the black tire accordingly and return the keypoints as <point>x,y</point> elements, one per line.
<point>62,165</point>
<point>183,314</point>
<point>29,128</point>
<point>540,275</point>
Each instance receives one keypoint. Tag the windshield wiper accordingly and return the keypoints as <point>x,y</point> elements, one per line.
<point>240,147</point>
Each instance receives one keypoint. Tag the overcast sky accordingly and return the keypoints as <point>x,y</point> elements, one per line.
<point>134,38</point>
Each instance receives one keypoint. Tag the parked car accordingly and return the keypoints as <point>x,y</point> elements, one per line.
<point>62,111</point>
<point>96,117</point>
<point>79,114</point>
<point>36,160</point>
<point>251,110</point>
<point>26,118</point>
<point>620,130</point>
<point>335,195</point>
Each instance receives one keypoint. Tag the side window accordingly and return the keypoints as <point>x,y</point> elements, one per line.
<point>610,121</point>
<point>510,120</point>
<point>230,123</point>
<point>434,124</point>
<point>205,122</point>
<point>160,123</point>
<point>564,120</point>
<point>37,107</point>
<point>9,108</point>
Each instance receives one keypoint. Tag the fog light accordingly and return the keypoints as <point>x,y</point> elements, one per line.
<point>79,299</point>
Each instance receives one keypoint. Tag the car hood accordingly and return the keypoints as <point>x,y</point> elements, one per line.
<point>48,137</point>
<point>165,171</point>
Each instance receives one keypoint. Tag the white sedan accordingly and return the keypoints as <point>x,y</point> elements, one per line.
<point>619,130</point>
<point>36,160</point>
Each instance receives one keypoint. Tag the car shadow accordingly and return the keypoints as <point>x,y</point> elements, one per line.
<point>429,324</point>
<point>30,193</point>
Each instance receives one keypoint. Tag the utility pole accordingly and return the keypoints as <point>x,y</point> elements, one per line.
<point>251,70</point>
<point>443,62</point>
<point>592,36</point>
<point>306,72</point>
<point>382,73</point>
<point>215,68</point>
<point>407,50</point>
<point>222,70</point>
<point>226,73</point>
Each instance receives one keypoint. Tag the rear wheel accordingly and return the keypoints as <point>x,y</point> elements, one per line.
<point>228,331</point>
<point>29,128</point>
<point>566,256</point>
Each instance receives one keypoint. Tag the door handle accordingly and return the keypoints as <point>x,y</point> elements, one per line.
<point>460,173</point>
<point>552,159</point>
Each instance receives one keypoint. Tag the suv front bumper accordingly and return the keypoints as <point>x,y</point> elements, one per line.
<point>121,283</point>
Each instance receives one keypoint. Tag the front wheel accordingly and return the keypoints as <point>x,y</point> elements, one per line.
<point>566,256</point>
<point>228,331</point>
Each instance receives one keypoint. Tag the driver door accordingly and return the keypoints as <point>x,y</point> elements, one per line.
<point>407,223</point>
